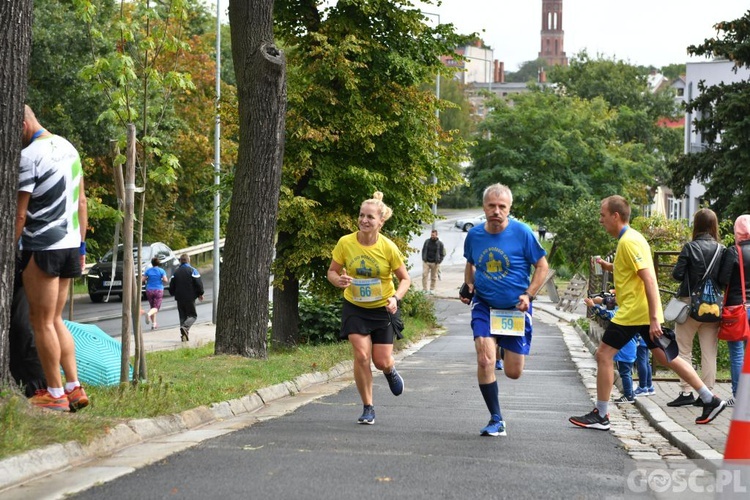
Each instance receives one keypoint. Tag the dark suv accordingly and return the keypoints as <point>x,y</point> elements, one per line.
<point>99,278</point>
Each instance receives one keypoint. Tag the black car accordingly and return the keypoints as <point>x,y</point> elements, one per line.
<point>99,278</point>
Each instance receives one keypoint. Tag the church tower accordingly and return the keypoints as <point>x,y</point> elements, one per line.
<point>552,33</point>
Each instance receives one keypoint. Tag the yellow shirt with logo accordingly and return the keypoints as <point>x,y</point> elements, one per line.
<point>371,268</point>
<point>633,254</point>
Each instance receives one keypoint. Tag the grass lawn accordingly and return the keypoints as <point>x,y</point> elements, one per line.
<point>179,380</point>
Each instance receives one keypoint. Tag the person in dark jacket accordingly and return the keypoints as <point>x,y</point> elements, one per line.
<point>433,253</point>
<point>695,257</point>
<point>729,276</point>
<point>186,286</point>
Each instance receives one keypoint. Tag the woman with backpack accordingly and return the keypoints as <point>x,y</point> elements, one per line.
<point>698,262</point>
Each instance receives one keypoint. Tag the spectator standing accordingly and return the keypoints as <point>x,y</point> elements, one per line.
<point>729,276</point>
<point>692,263</point>
<point>185,286</point>
<point>155,278</point>
<point>363,264</point>
<point>51,222</point>
<point>499,257</point>
<point>433,253</point>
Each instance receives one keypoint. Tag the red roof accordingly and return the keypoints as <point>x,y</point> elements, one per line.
<point>671,123</point>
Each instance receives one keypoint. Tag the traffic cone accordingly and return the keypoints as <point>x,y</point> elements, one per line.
<point>736,467</point>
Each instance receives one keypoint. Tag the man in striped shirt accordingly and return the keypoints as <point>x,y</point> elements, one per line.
<point>51,220</point>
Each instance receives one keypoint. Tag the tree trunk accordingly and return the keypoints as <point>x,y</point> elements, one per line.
<point>242,315</point>
<point>285,326</point>
<point>15,47</point>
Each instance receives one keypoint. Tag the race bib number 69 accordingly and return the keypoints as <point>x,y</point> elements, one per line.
<point>507,322</point>
<point>367,290</point>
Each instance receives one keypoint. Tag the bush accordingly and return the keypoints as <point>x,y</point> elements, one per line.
<point>417,305</point>
<point>320,321</point>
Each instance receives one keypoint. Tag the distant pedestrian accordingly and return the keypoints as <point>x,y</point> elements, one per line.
<point>155,278</point>
<point>500,287</point>
<point>542,230</point>
<point>640,312</point>
<point>51,222</point>
<point>186,286</point>
<point>433,253</point>
<point>363,264</point>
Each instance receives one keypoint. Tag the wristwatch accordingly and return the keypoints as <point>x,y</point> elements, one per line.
<point>531,297</point>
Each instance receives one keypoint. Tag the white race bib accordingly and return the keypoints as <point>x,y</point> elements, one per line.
<point>367,290</point>
<point>507,322</point>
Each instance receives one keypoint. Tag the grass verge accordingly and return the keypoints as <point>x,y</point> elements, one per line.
<point>178,380</point>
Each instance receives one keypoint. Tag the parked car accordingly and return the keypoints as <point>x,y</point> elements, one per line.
<point>466,224</point>
<point>99,278</point>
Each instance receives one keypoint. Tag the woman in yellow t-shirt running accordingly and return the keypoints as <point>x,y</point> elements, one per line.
<point>363,264</point>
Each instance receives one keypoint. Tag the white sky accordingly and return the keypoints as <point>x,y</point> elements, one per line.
<point>647,32</point>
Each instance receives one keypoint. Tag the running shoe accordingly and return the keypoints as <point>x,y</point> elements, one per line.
<point>368,415</point>
<point>77,398</point>
<point>651,391</point>
<point>495,427</point>
<point>499,364</point>
<point>625,399</point>
<point>730,402</point>
<point>684,399</point>
<point>184,334</point>
<point>592,420</point>
<point>711,410</point>
<point>43,399</point>
<point>395,382</point>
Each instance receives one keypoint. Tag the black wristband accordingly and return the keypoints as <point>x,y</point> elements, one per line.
<point>531,297</point>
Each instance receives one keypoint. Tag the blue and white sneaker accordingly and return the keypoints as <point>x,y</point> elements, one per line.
<point>395,382</point>
<point>641,391</point>
<point>499,364</point>
<point>368,415</point>
<point>495,427</point>
<point>651,391</point>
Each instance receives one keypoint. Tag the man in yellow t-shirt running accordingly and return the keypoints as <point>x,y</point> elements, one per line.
<point>640,312</point>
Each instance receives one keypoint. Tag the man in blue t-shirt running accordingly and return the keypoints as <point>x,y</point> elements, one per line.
<point>499,256</point>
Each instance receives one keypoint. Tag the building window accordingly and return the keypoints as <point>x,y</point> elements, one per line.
<point>674,208</point>
<point>680,92</point>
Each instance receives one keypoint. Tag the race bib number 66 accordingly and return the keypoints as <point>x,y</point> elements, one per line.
<point>367,290</point>
<point>507,322</point>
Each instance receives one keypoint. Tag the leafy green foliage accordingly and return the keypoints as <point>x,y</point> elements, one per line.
<point>360,118</point>
<point>320,321</point>
<point>553,150</point>
<point>578,235</point>
<point>416,304</point>
<point>722,121</point>
<point>528,71</point>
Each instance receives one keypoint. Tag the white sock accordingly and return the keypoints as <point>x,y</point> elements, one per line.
<point>56,392</point>
<point>706,395</point>
<point>72,385</point>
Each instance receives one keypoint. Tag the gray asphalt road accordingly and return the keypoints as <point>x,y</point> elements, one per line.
<point>424,444</point>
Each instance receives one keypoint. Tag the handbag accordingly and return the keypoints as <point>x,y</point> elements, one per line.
<point>706,300</point>
<point>676,311</point>
<point>734,325</point>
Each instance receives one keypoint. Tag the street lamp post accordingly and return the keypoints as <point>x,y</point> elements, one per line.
<point>437,115</point>
<point>217,167</point>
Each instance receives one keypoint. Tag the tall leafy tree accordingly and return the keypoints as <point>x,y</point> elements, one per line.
<point>15,46</point>
<point>242,319</point>
<point>361,118</point>
<point>553,150</point>
<point>722,120</point>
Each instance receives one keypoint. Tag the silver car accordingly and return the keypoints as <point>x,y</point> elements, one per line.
<point>466,224</point>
